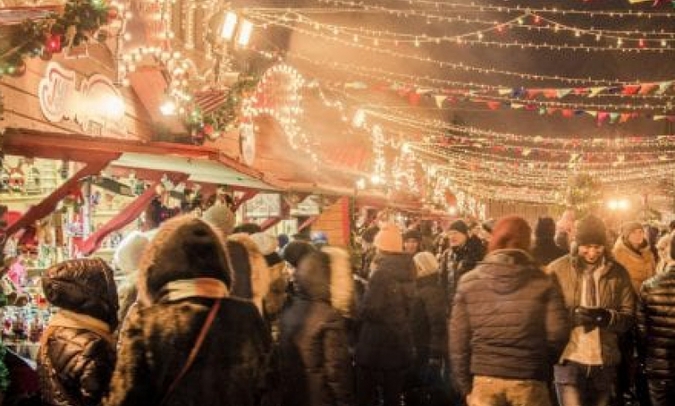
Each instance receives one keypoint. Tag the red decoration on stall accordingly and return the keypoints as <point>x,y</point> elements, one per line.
<point>53,43</point>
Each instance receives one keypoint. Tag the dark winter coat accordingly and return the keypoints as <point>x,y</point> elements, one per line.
<point>158,339</point>
<point>656,325</point>
<point>315,360</point>
<point>457,261</point>
<point>77,355</point>
<point>429,318</point>
<point>385,339</point>
<point>508,321</point>
<point>616,294</point>
<point>546,251</point>
<point>75,367</point>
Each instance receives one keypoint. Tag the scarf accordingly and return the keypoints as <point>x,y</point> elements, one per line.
<point>68,319</point>
<point>198,287</point>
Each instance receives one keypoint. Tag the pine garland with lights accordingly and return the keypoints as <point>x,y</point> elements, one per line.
<point>225,117</point>
<point>77,24</point>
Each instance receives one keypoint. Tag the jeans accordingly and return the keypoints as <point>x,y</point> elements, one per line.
<point>584,385</point>
<point>662,392</point>
<point>490,391</point>
<point>392,383</point>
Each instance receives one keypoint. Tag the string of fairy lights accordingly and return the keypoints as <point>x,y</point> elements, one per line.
<point>661,42</point>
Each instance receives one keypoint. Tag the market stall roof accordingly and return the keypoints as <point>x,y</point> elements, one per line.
<point>202,164</point>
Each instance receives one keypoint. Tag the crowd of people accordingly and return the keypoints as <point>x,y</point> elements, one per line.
<point>475,314</point>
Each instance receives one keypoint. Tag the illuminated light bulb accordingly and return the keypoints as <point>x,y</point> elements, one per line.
<point>619,42</point>
<point>361,184</point>
<point>127,36</point>
<point>641,43</point>
<point>114,107</point>
<point>376,179</point>
<point>229,25</point>
<point>663,43</point>
<point>577,34</point>
<point>128,15</point>
<point>245,31</point>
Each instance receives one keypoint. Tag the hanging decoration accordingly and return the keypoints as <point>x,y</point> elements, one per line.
<point>78,24</point>
<point>583,194</point>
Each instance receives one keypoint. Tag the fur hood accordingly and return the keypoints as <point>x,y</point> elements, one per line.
<point>185,247</point>
<point>258,271</point>
<point>327,276</point>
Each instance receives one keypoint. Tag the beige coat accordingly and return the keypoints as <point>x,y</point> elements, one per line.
<point>640,266</point>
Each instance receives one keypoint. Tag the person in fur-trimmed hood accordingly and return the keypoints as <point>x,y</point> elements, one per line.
<point>314,345</point>
<point>251,273</point>
<point>77,351</point>
<point>183,277</point>
<point>632,251</point>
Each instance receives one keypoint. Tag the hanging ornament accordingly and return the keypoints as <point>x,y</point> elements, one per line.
<point>113,12</point>
<point>53,43</point>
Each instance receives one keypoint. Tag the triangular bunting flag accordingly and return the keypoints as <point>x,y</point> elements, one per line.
<point>563,92</point>
<point>567,113</point>
<point>602,116</point>
<point>504,91</point>
<point>631,89</point>
<point>591,113</point>
<point>613,117</point>
<point>594,91</point>
<point>647,87</point>
<point>551,93</point>
<point>624,117</point>
<point>663,87</point>
<point>493,105</point>
<point>659,118</point>
<point>517,106</point>
<point>439,100</point>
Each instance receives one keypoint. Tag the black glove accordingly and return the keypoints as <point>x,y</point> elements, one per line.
<point>592,317</point>
<point>601,317</point>
<point>583,317</point>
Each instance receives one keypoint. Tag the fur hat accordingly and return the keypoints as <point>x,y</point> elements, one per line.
<point>459,226</point>
<point>128,254</point>
<point>341,280</point>
<point>629,227</point>
<point>295,250</point>
<point>412,234</point>
<point>389,238</point>
<point>185,247</point>
<point>426,264</point>
<point>84,286</point>
<point>221,217</point>
<point>267,244</point>
<point>511,232</point>
<point>259,271</point>
<point>248,228</point>
<point>590,230</point>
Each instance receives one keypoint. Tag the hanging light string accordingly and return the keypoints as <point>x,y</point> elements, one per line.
<point>377,37</point>
<point>460,65</point>
<point>474,7</point>
<point>439,85</point>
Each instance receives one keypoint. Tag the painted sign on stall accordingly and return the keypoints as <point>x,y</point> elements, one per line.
<point>96,104</point>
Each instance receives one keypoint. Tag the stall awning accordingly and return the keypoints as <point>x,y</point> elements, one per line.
<point>199,170</point>
<point>202,164</point>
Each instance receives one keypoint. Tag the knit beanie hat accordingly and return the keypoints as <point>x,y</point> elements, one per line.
<point>511,232</point>
<point>295,251</point>
<point>459,226</point>
<point>426,264</point>
<point>412,234</point>
<point>590,230</point>
<point>629,227</point>
<point>545,229</point>
<point>389,238</point>
<point>128,254</point>
<point>221,217</point>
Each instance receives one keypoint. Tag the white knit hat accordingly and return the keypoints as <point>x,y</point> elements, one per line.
<point>426,264</point>
<point>128,254</point>
<point>220,216</point>
<point>266,243</point>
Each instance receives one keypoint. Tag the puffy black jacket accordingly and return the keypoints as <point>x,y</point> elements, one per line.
<point>316,363</point>
<point>76,361</point>
<point>656,325</point>
<point>75,368</point>
<point>508,320</point>
<point>429,318</point>
<point>455,262</point>
<point>385,339</point>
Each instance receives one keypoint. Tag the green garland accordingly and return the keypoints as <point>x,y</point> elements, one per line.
<point>226,116</point>
<point>78,23</point>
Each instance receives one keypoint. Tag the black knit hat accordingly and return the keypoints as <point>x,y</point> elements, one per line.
<point>412,234</point>
<point>590,230</point>
<point>459,226</point>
